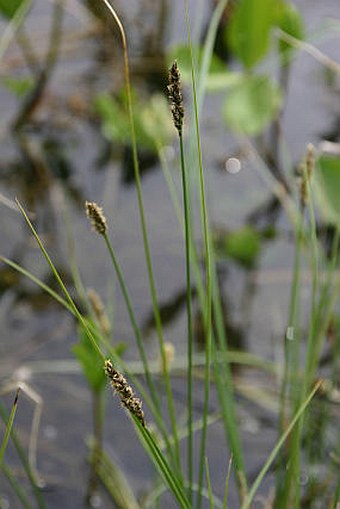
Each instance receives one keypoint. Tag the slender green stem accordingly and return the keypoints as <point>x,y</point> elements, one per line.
<point>97,449</point>
<point>23,458</point>
<point>118,361</point>
<point>225,394</point>
<point>208,297</point>
<point>16,486</point>
<point>227,480</point>
<point>173,481</point>
<point>136,329</point>
<point>9,426</point>
<point>336,498</point>
<point>38,282</point>
<point>61,284</point>
<point>315,287</point>
<point>295,463</point>
<point>78,284</point>
<point>273,454</point>
<point>290,372</point>
<point>116,483</point>
<point>223,375</point>
<point>208,50</point>
<point>187,222</point>
<point>152,285</point>
<point>140,345</point>
<point>210,492</point>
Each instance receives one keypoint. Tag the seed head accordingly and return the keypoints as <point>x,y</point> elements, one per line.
<point>127,396</point>
<point>169,354</point>
<point>310,160</point>
<point>99,310</point>
<point>176,97</point>
<point>305,174</point>
<point>96,216</point>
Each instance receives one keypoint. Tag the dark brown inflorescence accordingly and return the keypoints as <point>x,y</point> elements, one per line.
<point>305,174</point>
<point>125,392</point>
<point>176,97</point>
<point>96,216</point>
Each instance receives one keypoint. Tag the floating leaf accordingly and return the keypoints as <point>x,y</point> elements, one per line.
<point>252,105</point>
<point>326,188</point>
<point>249,30</point>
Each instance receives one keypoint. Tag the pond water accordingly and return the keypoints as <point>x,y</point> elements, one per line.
<point>60,160</point>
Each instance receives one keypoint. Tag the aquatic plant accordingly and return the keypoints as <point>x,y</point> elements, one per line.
<point>189,478</point>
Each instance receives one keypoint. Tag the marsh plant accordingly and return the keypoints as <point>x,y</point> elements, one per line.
<point>178,448</point>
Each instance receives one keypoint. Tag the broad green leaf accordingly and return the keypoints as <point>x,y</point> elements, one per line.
<point>249,30</point>
<point>287,17</point>
<point>243,246</point>
<point>152,120</point>
<point>252,104</point>
<point>8,8</point>
<point>114,118</point>
<point>326,187</point>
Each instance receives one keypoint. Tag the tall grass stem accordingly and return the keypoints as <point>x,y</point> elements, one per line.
<point>279,444</point>
<point>152,285</point>
<point>208,298</point>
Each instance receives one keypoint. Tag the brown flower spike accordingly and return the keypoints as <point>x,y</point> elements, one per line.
<point>99,310</point>
<point>125,392</point>
<point>96,216</point>
<point>176,97</point>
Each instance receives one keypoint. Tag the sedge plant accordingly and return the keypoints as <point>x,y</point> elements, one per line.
<point>297,389</point>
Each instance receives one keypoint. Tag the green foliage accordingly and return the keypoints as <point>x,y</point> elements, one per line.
<point>115,123</point>
<point>219,78</point>
<point>89,359</point>
<point>251,24</point>
<point>181,54</point>
<point>288,18</point>
<point>326,188</point>
<point>18,86</point>
<point>151,118</point>
<point>249,33</point>
<point>243,246</point>
<point>8,8</point>
<point>252,104</point>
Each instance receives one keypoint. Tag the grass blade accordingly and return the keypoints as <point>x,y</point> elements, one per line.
<point>25,462</point>
<point>152,285</point>
<point>273,454</point>
<point>9,426</point>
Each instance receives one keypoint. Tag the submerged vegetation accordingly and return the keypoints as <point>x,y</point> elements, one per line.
<point>191,399</point>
